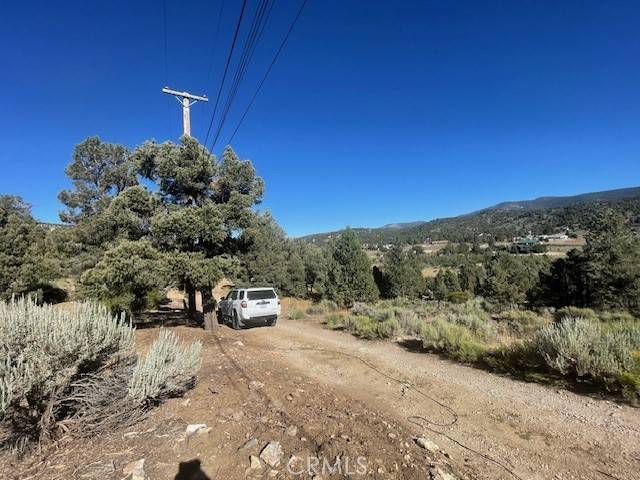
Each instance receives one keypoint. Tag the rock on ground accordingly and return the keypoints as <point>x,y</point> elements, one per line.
<point>134,470</point>
<point>272,453</point>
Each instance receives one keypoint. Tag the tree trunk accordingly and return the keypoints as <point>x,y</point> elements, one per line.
<point>191,300</point>
<point>208,309</point>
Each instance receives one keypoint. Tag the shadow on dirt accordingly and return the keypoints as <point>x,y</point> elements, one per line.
<point>413,345</point>
<point>167,317</point>
<point>191,470</point>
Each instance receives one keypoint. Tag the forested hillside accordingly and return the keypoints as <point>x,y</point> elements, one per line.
<point>499,224</point>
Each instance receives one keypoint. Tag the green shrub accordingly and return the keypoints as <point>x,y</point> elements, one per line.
<point>335,321</point>
<point>44,349</point>
<point>523,322</point>
<point>575,312</point>
<point>78,369</point>
<point>296,314</point>
<point>370,328</point>
<point>611,317</point>
<point>455,341</point>
<point>586,349</point>
<point>377,313</point>
<point>408,321</point>
<point>458,297</point>
<point>328,305</point>
<point>323,306</point>
<point>630,379</point>
<point>169,369</point>
<point>315,309</point>
<point>127,278</point>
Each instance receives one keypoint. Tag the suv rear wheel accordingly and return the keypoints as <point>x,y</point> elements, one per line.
<point>234,321</point>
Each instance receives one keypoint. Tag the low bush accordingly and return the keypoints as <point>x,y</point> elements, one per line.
<point>296,314</point>
<point>630,379</point>
<point>408,321</point>
<point>589,350</point>
<point>315,309</point>
<point>472,316</point>
<point>329,305</point>
<point>169,369</point>
<point>369,328</point>
<point>610,317</point>
<point>455,341</point>
<point>574,312</point>
<point>458,297</point>
<point>335,321</point>
<point>523,322</point>
<point>378,313</point>
<point>76,370</point>
<point>323,306</point>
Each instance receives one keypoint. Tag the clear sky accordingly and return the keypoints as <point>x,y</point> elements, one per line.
<point>376,111</point>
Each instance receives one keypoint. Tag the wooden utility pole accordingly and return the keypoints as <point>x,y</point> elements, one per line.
<point>184,99</point>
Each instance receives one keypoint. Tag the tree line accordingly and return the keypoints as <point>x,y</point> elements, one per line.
<point>141,220</point>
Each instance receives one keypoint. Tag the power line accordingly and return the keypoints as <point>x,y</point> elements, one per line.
<point>260,19</point>
<point>264,78</point>
<point>166,61</point>
<point>226,68</point>
<point>214,47</point>
<point>214,50</point>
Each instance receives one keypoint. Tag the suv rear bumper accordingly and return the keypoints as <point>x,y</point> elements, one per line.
<point>258,321</point>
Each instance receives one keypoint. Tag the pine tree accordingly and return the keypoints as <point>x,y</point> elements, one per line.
<point>402,272</point>
<point>24,264</point>
<point>99,171</point>
<point>350,277</point>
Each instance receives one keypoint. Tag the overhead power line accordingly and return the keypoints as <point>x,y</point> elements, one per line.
<point>226,69</point>
<point>214,47</point>
<point>260,18</point>
<point>273,62</point>
<point>212,58</point>
<point>166,60</point>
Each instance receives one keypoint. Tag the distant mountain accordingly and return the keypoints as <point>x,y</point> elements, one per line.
<point>507,219</point>
<point>553,202</point>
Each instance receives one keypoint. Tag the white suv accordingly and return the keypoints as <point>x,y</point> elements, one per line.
<point>250,307</point>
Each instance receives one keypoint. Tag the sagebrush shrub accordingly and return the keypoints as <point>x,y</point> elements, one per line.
<point>42,350</point>
<point>314,310</point>
<point>574,312</point>
<point>328,305</point>
<point>455,341</point>
<point>409,321</point>
<point>523,322</point>
<point>168,369</point>
<point>77,370</point>
<point>296,314</point>
<point>323,306</point>
<point>582,348</point>
<point>369,328</point>
<point>335,321</point>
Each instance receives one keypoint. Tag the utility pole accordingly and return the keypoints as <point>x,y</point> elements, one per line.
<point>184,99</point>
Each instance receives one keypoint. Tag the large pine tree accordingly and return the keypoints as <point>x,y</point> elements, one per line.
<point>350,277</point>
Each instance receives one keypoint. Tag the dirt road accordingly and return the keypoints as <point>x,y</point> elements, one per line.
<point>536,431</point>
<point>327,396</point>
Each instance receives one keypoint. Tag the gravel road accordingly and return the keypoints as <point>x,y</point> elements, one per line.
<point>535,431</point>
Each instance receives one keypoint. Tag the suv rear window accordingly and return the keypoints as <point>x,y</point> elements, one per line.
<point>260,294</point>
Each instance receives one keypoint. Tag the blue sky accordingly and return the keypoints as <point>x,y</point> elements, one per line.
<point>376,111</point>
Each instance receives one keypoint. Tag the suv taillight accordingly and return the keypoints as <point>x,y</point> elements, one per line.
<point>278,301</point>
<point>243,304</point>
